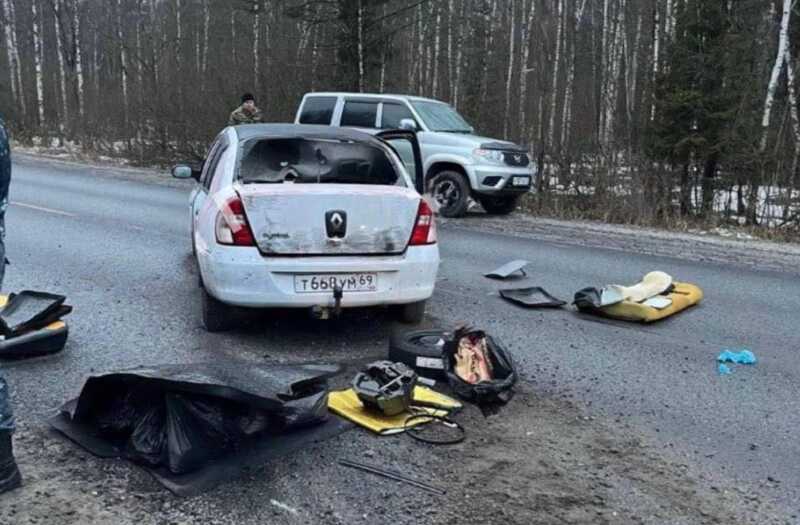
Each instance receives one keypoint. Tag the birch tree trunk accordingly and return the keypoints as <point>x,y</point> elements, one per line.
<point>12,81</point>
<point>123,63</point>
<point>526,67</point>
<point>656,58</point>
<point>551,129</point>
<point>37,61</point>
<point>234,57</point>
<point>510,72</point>
<point>436,47</point>
<point>62,74</point>
<point>450,75</point>
<point>360,47</point>
<point>256,33</point>
<point>77,54</point>
<point>780,59</point>
<point>206,22</point>
<point>459,57</point>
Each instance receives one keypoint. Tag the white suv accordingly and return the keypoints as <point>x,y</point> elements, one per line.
<point>309,217</point>
<point>457,164</point>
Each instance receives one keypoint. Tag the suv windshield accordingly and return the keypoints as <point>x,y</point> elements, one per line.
<point>441,117</point>
<point>300,160</point>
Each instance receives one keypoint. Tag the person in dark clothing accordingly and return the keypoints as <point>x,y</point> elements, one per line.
<point>5,181</point>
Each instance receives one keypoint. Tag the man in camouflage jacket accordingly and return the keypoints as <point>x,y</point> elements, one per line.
<point>247,113</point>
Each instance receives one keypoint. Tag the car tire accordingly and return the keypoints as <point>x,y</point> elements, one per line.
<point>412,313</point>
<point>419,350</point>
<point>451,191</point>
<point>499,205</point>
<point>217,316</point>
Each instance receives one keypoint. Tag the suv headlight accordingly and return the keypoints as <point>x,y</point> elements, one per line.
<point>491,156</point>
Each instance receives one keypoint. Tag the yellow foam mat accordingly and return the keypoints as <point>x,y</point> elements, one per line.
<point>58,325</point>
<point>346,404</point>
<point>683,296</point>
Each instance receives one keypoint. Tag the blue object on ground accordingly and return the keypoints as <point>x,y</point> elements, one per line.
<point>724,369</point>
<point>743,357</point>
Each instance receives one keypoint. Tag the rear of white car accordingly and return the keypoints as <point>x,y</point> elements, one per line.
<point>305,218</point>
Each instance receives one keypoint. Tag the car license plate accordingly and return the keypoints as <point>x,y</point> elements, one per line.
<point>349,282</point>
<point>521,181</point>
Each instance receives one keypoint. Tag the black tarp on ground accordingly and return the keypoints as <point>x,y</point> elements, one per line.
<point>194,426</point>
<point>9,473</point>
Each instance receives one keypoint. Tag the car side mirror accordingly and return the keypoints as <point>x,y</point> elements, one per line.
<point>408,124</point>
<point>182,171</point>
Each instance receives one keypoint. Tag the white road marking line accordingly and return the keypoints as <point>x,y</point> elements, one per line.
<point>40,208</point>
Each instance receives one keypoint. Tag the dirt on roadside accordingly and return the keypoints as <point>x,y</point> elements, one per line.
<point>537,460</point>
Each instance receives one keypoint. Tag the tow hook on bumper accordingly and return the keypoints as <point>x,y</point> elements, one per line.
<point>324,312</point>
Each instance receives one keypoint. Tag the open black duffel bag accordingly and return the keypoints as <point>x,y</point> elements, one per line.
<point>494,391</point>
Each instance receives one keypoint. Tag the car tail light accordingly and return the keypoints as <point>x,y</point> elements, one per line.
<point>425,227</point>
<point>232,228</point>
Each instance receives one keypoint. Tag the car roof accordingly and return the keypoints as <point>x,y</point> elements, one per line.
<point>306,131</point>
<point>396,96</point>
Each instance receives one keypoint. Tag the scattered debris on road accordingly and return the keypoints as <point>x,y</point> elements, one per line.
<point>9,473</point>
<point>446,431</point>
<point>508,269</point>
<point>193,425</point>
<point>385,387</point>
<point>656,297</point>
<point>531,297</point>
<point>31,324</point>
<point>346,404</point>
<point>742,357</point>
<point>479,369</point>
<point>391,474</point>
<point>421,350</point>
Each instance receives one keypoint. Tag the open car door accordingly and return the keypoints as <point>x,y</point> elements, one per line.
<point>405,144</point>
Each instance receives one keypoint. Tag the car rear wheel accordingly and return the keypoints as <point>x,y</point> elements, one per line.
<point>217,316</point>
<point>412,313</point>
<point>451,191</point>
<point>499,205</point>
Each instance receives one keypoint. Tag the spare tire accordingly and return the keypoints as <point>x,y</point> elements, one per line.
<point>421,350</point>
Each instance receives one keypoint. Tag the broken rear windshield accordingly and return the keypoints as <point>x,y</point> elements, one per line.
<point>300,160</point>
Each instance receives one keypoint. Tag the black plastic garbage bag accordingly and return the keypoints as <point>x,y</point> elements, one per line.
<point>183,417</point>
<point>9,473</point>
<point>29,310</point>
<point>496,391</point>
<point>588,299</point>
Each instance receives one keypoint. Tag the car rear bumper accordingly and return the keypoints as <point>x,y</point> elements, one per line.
<point>243,277</point>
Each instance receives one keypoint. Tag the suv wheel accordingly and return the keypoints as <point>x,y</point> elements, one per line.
<point>217,316</point>
<point>499,205</point>
<point>451,191</point>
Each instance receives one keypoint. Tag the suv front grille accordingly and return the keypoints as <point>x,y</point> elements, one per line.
<point>516,158</point>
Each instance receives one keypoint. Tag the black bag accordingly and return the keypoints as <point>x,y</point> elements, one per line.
<point>183,417</point>
<point>9,473</point>
<point>499,389</point>
<point>587,299</point>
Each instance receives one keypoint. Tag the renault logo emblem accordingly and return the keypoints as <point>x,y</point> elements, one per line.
<point>336,224</point>
<point>518,158</point>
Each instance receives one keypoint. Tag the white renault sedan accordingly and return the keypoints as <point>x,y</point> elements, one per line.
<point>296,216</point>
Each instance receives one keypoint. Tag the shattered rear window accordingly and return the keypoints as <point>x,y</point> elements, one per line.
<point>308,161</point>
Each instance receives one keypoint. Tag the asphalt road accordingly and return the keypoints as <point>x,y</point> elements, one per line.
<point>119,249</point>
